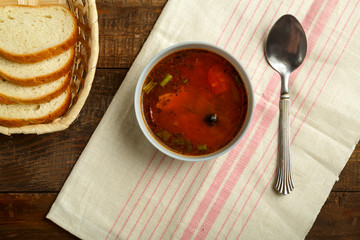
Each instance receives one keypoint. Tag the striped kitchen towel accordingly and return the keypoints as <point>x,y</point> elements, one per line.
<point>123,188</point>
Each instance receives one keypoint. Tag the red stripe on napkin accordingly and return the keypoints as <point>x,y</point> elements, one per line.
<point>255,30</point>
<point>167,207</point>
<point>192,200</point>
<point>227,24</point>
<point>181,201</point>
<point>247,25</point>
<point>157,186</point>
<point>237,24</point>
<point>132,193</point>
<point>137,202</point>
<point>157,205</point>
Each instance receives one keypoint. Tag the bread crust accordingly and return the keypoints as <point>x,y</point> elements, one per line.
<point>44,78</point>
<point>45,119</point>
<point>13,100</point>
<point>46,53</point>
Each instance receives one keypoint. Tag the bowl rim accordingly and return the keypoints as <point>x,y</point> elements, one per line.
<point>193,45</point>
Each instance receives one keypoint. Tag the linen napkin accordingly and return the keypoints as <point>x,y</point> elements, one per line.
<point>123,188</point>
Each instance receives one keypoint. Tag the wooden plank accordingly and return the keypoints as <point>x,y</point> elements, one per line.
<point>42,163</point>
<point>349,179</point>
<point>123,30</point>
<point>339,218</point>
<point>22,216</point>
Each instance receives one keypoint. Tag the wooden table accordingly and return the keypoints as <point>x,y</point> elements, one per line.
<point>34,168</point>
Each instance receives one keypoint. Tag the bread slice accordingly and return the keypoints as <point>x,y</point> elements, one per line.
<point>17,115</point>
<point>32,74</point>
<point>11,93</point>
<point>31,34</point>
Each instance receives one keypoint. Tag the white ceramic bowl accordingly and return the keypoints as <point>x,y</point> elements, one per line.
<point>139,109</point>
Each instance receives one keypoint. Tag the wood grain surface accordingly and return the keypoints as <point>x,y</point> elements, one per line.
<point>33,168</point>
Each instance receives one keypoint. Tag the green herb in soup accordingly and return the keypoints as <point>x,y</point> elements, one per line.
<point>194,102</point>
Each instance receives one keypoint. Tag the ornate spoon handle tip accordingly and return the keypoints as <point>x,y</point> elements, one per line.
<point>284,183</point>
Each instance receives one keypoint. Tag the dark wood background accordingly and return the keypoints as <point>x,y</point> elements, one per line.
<point>34,168</point>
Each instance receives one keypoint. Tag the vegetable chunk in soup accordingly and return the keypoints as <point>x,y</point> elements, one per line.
<point>194,102</point>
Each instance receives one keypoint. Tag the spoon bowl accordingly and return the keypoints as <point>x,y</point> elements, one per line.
<point>285,50</point>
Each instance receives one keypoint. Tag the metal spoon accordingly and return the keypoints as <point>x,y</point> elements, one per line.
<point>285,51</point>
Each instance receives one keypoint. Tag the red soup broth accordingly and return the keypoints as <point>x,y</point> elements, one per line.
<point>194,102</point>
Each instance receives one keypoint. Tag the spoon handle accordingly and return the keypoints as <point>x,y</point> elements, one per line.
<point>284,183</point>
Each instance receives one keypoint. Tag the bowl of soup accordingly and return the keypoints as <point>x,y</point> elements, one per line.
<point>194,101</point>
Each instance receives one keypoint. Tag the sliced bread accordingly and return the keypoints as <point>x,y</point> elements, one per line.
<point>11,93</point>
<point>17,115</point>
<point>32,74</point>
<point>31,34</point>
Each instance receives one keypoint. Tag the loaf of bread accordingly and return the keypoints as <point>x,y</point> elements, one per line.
<point>32,74</point>
<point>17,115</point>
<point>37,52</point>
<point>11,93</point>
<point>31,34</point>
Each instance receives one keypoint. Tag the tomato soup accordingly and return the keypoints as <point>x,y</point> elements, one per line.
<point>194,102</point>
